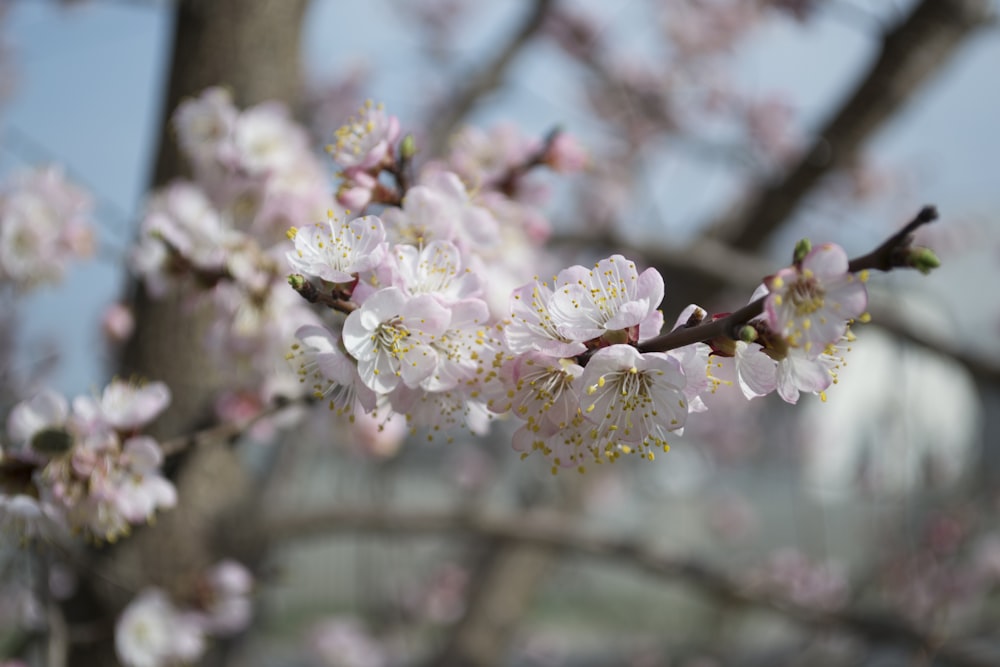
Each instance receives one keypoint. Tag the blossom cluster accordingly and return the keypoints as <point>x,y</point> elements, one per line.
<point>428,306</point>
<point>574,358</point>
<point>218,239</point>
<point>86,467</point>
<point>44,224</point>
<point>153,630</point>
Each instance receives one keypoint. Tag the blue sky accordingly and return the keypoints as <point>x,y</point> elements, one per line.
<point>88,82</point>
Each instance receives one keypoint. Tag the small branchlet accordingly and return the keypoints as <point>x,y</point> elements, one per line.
<point>335,300</point>
<point>895,252</point>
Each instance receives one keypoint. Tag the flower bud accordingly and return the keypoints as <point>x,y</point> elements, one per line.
<point>802,248</point>
<point>748,334</point>
<point>922,259</point>
<point>407,147</point>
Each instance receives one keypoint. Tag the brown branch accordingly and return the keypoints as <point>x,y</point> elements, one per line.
<point>910,55</point>
<point>891,254</point>
<point>228,432</point>
<point>487,79</point>
<point>706,259</point>
<point>556,532</point>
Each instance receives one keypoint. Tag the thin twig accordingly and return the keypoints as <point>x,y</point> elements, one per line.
<point>886,257</point>
<point>230,431</point>
<point>487,79</point>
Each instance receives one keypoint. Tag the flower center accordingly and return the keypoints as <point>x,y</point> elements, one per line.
<point>806,296</point>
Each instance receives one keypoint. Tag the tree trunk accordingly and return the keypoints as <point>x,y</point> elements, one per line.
<point>251,47</point>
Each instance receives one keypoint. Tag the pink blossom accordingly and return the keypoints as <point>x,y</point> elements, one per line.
<point>343,642</point>
<point>612,297</point>
<point>227,607</point>
<point>366,140</point>
<point>634,398</point>
<point>440,208</point>
<point>534,323</point>
<point>151,632</point>
<point>390,337</point>
<point>433,269</point>
<point>329,371</point>
<point>125,406</point>
<point>204,123</point>
<point>340,249</point>
<point>565,154</point>
<point>545,390</point>
<point>810,305</point>
<point>117,322</point>
<point>44,224</point>
<point>45,410</point>
<point>29,520</point>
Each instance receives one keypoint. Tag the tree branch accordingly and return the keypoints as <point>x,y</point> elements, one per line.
<point>910,55</point>
<point>487,79</point>
<point>891,254</point>
<point>556,532</point>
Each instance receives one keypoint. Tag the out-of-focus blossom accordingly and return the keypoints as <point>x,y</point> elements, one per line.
<point>440,208</point>
<point>377,435</point>
<point>226,607</point>
<point>125,406</point>
<point>366,140</point>
<point>151,632</point>
<point>93,471</point>
<point>791,574</point>
<point>564,154</point>
<point>44,224</point>
<point>343,642</point>
<point>204,124</point>
<point>44,411</point>
<point>265,141</point>
<point>30,520</point>
<point>118,323</point>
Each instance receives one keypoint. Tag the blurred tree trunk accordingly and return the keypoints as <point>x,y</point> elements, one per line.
<point>251,47</point>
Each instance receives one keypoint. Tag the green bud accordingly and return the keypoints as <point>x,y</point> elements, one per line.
<point>748,334</point>
<point>802,248</point>
<point>407,147</point>
<point>923,260</point>
<point>297,281</point>
<point>616,337</point>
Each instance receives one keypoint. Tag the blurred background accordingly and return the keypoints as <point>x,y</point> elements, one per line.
<point>857,531</point>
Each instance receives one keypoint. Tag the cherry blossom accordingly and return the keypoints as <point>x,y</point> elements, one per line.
<point>44,224</point>
<point>810,304</point>
<point>340,249</point>
<point>43,411</point>
<point>612,297</point>
<point>366,140</point>
<point>634,398</point>
<point>434,269</point>
<point>331,372</point>
<point>390,336</point>
<point>151,632</point>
